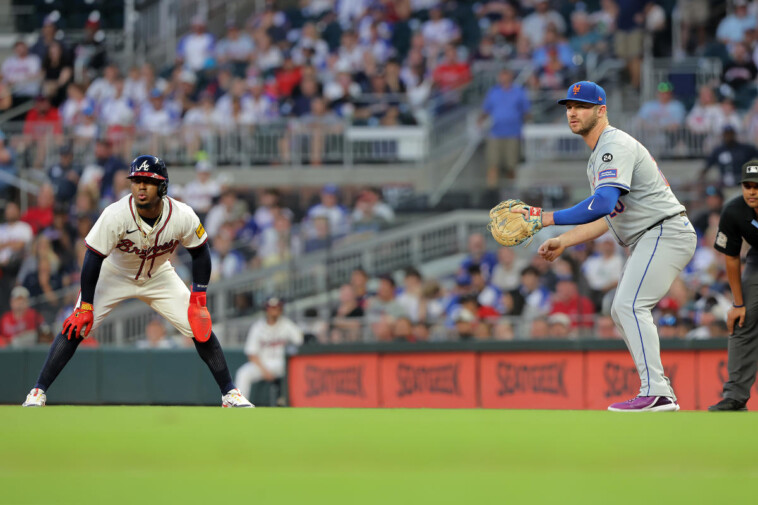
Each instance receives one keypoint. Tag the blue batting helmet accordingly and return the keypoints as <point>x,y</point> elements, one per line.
<point>151,167</point>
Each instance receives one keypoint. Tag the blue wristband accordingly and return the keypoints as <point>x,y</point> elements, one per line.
<point>199,288</point>
<point>738,306</point>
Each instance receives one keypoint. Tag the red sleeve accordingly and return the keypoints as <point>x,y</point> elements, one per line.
<point>4,339</point>
<point>55,118</point>
<point>30,118</point>
<point>437,75</point>
<point>466,74</point>
<point>588,309</point>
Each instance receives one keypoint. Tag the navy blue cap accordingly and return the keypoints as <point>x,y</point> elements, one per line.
<point>585,91</point>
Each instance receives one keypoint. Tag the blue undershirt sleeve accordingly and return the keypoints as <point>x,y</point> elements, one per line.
<point>90,274</point>
<point>593,208</point>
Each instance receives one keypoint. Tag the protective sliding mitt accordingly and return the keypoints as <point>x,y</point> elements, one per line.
<point>199,317</point>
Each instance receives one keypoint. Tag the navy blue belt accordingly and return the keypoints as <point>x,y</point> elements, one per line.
<point>682,214</point>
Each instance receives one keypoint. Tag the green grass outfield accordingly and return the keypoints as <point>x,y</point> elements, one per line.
<point>141,455</point>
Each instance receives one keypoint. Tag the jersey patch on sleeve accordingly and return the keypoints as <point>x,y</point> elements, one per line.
<point>609,173</point>
<point>200,231</point>
<point>607,157</point>
<point>721,239</point>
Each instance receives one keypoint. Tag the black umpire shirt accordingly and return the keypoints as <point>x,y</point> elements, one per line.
<point>737,221</point>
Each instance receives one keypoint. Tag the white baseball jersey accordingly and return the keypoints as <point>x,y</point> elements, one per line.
<point>268,341</point>
<point>136,263</point>
<point>621,161</point>
<point>139,250</point>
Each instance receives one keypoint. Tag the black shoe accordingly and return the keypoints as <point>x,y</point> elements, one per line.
<point>728,404</point>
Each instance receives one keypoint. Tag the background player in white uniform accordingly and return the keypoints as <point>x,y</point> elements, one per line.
<point>266,347</point>
<point>632,198</point>
<point>127,257</point>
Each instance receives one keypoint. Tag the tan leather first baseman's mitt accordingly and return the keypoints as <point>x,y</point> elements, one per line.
<point>512,228</point>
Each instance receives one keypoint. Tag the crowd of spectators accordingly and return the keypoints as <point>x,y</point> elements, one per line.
<point>504,296</point>
<point>325,63</point>
<point>368,63</point>
<point>495,294</point>
<point>41,249</point>
<point>309,71</point>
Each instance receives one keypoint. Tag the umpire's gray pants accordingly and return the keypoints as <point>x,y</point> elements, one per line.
<point>743,344</point>
<point>656,260</point>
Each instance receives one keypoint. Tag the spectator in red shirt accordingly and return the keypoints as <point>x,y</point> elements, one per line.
<point>451,73</point>
<point>43,120</point>
<point>569,301</point>
<point>40,216</point>
<point>287,77</point>
<point>20,324</point>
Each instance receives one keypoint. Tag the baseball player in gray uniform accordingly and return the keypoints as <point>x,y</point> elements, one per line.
<point>631,198</point>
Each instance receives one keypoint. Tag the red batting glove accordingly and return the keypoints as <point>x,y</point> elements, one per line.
<point>80,321</point>
<point>199,317</point>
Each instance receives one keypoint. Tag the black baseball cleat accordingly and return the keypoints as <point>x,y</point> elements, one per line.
<point>728,404</point>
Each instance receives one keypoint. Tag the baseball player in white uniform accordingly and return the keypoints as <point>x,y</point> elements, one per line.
<point>127,257</point>
<point>631,198</point>
<point>266,347</point>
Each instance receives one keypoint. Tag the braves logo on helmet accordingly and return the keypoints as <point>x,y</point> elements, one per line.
<point>151,167</point>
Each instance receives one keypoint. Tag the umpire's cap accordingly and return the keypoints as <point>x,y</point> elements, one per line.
<point>585,91</point>
<point>750,171</point>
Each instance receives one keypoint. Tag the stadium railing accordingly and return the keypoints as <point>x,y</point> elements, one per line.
<point>686,75</point>
<point>273,143</point>
<point>543,142</point>
<point>232,301</point>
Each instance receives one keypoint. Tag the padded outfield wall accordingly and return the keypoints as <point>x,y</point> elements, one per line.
<point>587,374</point>
<point>532,375</point>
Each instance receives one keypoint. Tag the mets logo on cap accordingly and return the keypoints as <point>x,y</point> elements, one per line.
<point>585,91</point>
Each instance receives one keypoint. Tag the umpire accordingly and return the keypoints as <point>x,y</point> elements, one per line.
<point>739,220</point>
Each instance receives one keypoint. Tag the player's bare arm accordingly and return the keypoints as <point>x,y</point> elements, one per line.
<point>554,247</point>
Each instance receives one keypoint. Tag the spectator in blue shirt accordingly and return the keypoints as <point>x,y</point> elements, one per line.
<point>732,28</point>
<point>478,255</point>
<point>586,41</point>
<point>508,105</point>
<point>7,165</point>
<point>552,41</point>
<point>666,113</point>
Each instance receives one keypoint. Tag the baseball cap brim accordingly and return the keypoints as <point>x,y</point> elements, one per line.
<point>563,101</point>
<point>149,175</point>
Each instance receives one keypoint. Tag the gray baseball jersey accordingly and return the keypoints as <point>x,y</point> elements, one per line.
<point>621,161</point>
<point>647,218</point>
